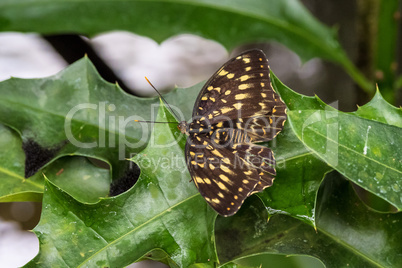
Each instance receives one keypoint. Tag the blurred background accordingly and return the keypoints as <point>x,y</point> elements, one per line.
<point>179,61</point>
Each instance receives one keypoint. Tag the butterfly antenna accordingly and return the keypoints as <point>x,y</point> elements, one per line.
<point>144,121</point>
<point>160,95</point>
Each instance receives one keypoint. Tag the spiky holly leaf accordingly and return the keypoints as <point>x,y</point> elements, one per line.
<point>380,110</point>
<point>74,112</point>
<point>163,212</point>
<point>348,233</point>
<point>365,151</point>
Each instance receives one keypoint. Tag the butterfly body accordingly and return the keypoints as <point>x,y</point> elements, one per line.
<point>236,108</point>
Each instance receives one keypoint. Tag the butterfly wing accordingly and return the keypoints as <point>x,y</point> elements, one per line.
<point>223,181</point>
<point>236,107</point>
<point>260,158</point>
<point>240,93</point>
<point>240,88</point>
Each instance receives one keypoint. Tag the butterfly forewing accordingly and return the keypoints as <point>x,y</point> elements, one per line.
<point>240,88</point>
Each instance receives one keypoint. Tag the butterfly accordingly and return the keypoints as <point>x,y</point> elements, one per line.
<point>236,108</point>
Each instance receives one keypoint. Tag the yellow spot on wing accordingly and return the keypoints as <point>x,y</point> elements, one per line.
<point>245,86</point>
<point>226,169</point>
<point>226,110</point>
<point>242,96</point>
<point>222,186</point>
<point>198,180</point>
<point>224,178</point>
<point>216,153</point>
<point>244,77</point>
<point>230,76</point>
<point>223,72</point>
<point>215,200</point>
<point>238,105</point>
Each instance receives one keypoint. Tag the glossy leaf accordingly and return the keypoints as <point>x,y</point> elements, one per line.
<point>380,110</point>
<point>299,171</point>
<point>365,151</point>
<point>229,22</point>
<point>157,213</point>
<point>80,178</point>
<point>386,49</point>
<point>100,117</point>
<point>14,187</point>
<point>77,175</point>
<point>299,175</point>
<point>348,234</point>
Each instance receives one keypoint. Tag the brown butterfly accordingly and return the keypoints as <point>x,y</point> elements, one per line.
<point>236,108</point>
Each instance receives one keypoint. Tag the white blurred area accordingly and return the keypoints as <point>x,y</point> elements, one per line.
<point>178,61</point>
<point>17,247</point>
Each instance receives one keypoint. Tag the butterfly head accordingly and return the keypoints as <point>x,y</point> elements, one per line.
<point>183,127</point>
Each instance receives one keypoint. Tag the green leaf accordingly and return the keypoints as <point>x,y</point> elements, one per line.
<point>299,171</point>
<point>80,178</point>
<point>365,151</point>
<point>387,32</point>
<point>293,192</point>
<point>156,214</point>
<point>14,187</point>
<point>348,234</point>
<point>380,110</point>
<point>229,22</point>
<point>72,113</point>
<point>299,175</point>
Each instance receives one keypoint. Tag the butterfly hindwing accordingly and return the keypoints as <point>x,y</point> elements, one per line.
<point>262,159</point>
<point>223,179</point>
